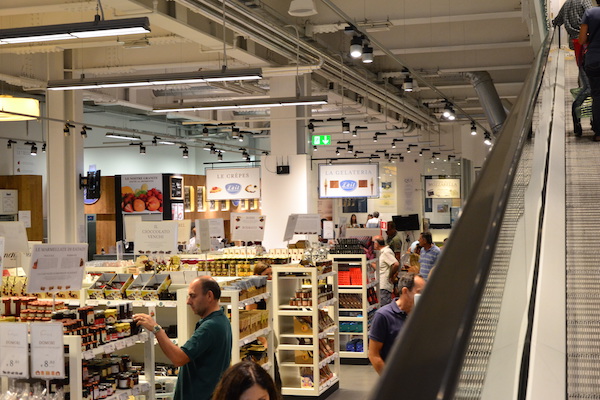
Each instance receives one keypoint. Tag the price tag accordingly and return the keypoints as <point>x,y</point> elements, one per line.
<point>135,390</point>
<point>130,341</point>
<point>138,303</point>
<point>150,304</point>
<point>92,302</point>
<point>109,348</point>
<point>88,354</point>
<point>47,351</point>
<point>170,304</point>
<point>14,362</point>
<point>124,396</point>
<point>120,344</point>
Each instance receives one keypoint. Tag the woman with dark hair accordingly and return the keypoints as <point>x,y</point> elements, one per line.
<point>246,381</point>
<point>353,222</point>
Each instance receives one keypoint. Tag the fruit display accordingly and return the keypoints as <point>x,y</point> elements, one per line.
<point>141,200</point>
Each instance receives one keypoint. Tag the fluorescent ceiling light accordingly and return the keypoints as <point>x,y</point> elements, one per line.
<point>178,78</point>
<point>30,108</point>
<point>79,30</point>
<point>259,103</point>
<point>167,142</point>
<point>123,137</point>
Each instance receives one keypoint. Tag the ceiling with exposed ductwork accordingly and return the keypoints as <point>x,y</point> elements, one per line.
<point>436,43</point>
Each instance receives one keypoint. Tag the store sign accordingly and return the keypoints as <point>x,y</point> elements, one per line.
<point>233,184</point>
<point>442,188</point>
<point>56,267</point>
<point>47,350</point>
<point>302,224</point>
<point>14,360</point>
<point>1,251</point>
<point>141,194</point>
<point>15,241</point>
<point>248,227</point>
<point>348,180</point>
<point>321,140</point>
<point>156,237</point>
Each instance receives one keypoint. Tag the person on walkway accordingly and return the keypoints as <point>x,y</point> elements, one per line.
<point>588,34</point>
<point>374,222</point>
<point>428,255</point>
<point>388,269</point>
<point>246,381</point>
<point>393,239</point>
<point>207,354</point>
<point>389,319</point>
<point>570,16</point>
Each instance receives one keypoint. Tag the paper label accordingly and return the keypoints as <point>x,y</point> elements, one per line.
<point>56,267</point>
<point>47,351</point>
<point>14,362</point>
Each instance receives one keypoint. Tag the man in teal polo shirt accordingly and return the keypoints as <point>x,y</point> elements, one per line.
<point>207,354</point>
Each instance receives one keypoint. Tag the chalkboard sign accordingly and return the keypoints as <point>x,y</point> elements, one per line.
<point>176,188</point>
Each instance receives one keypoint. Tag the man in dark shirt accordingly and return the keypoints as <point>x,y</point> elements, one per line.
<point>389,319</point>
<point>207,354</point>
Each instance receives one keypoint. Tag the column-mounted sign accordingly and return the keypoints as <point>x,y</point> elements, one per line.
<point>247,227</point>
<point>233,184</point>
<point>47,350</point>
<point>142,194</point>
<point>156,237</point>
<point>56,267</point>
<point>442,188</point>
<point>302,224</point>
<point>14,355</point>
<point>348,180</point>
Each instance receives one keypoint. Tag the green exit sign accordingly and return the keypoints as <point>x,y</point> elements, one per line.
<point>321,140</point>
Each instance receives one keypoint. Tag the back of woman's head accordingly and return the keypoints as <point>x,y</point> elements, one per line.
<point>242,376</point>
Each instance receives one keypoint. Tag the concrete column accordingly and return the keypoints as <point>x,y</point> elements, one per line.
<point>283,195</point>
<point>66,222</point>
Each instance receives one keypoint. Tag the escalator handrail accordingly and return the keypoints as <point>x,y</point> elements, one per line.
<point>427,356</point>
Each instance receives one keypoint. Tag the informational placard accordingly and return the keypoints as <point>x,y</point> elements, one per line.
<point>156,237</point>
<point>14,359</point>
<point>328,230</point>
<point>176,187</point>
<point>203,234</point>
<point>56,267</point>
<point>248,227</point>
<point>348,180</point>
<point>302,224</point>
<point>15,236</point>
<point>233,184</point>
<point>25,217</point>
<point>130,222</point>
<point>442,188</point>
<point>184,230</point>
<point>141,194</point>
<point>47,350</point>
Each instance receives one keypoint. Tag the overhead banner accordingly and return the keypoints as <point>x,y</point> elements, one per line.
<point>56,267</point>
<point>247,227</point>
<point>348,180</point>
<point>156,237</point>
<point>142,194</point>
<point>442,188</point>
<point>233,184</point>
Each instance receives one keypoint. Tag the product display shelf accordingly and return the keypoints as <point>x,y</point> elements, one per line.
<point>368,279</point>
<point>76,357</point>
<point>297,372</point>
<point>186,322</point>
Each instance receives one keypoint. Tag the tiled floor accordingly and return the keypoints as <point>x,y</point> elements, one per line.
<point>356,381</point>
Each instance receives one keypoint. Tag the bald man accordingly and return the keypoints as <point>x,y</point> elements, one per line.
<point>207,354</point>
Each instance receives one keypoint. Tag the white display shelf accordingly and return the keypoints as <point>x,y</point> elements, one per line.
<point>136,303</point>
<point>143,387</point>
<point>357,261</point>
<point>252,337</point>
<point>115,345</point>
<point>285,287</point>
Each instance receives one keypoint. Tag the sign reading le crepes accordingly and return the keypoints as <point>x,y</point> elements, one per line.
<point>233,184</point>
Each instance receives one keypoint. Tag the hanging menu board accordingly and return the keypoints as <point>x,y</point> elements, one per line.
<point>156,237</point>
<point>14,359</point>
<point>247,227</point>
<point>348,180</point>
<point>56,267</point>
<point>302,224</point>
<point>47,350</point>
<point>233,184</point>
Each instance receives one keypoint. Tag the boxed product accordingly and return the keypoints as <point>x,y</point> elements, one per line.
<point>96,291</point>
<point>134,291</point>
<point>303,357</point>
<point>115,289</point>
<point>155,286</point>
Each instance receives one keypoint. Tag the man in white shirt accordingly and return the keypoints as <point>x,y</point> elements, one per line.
<point>375,221</point>
<point>388,268</point>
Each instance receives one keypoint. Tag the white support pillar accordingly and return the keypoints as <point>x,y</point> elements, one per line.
<point>66,222</point>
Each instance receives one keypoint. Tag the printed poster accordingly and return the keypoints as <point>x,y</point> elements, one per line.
<point>142,194</point>
<point>156,237</point>
<point>442,188</point>
<point>56,267</point>
<point>248,227</point>
<point>233,184</point>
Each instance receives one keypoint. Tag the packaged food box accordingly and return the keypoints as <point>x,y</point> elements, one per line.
<point>134,291</point>
<point>303,357</point>
<point>96,290</point>
<point>115,289</point>
<point>155,286</point>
